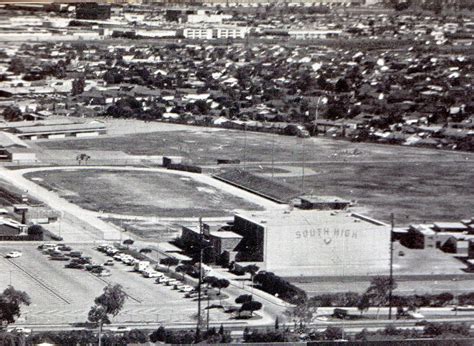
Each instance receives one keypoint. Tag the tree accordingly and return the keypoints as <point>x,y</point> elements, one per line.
<point>302,314</point>
<point>220,284</point>
<point>378,291</point>
<point>78,86</point>
<point>250,306</point>
<point>82,157</point>
<point>363,304</point>
<point>12,113</point>
<point>36,231</point>
<point>333,333</point>
<point>17,66</point>
<point>108,303</point>
<point>11,301</point>
<point>135,336</point>
<point>342,86</point>
<point>158,335</point>
<point>252,269</point>
<point>128,242</point>
<point>244,298</point>
<point>185,269</point>
<point>11,339</point>
<point>169,261</point>
<point>210,280</point>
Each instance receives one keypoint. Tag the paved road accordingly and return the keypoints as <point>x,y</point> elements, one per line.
<point>94,228</point>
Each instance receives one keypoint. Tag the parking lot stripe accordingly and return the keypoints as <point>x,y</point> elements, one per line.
<point>38,281</point>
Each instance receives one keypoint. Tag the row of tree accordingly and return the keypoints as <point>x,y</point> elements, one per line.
<point>275,285</point>
<point>413,301</point>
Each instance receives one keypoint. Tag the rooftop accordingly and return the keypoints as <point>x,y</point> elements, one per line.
<point>60,128</point>
<point>305,218</point>
<point>324,199</point>
<point>451,225</point>
<point>9,140</point>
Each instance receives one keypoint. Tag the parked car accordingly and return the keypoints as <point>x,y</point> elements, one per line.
<point>132,262</point>
<point>74,265</point>
<point>51,251</point>
<point>75,254</point>
<point>46,246</point>
<point>104,272</point>
<point>13,254</point>
<point>112,251</point>
<point>59,258</point>
<point>82,260</point>
<point>64,248</point>
<point>109,262</point>
<point>172,282</point>
<point>91,267</point>
<point>118,256</point>
<point>141,265</point>
<point>163,279</point>
<point>192,294</point>
<point>151,274</point>
<point>186,288</point>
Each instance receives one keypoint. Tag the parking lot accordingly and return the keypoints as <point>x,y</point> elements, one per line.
<point>61,295</point>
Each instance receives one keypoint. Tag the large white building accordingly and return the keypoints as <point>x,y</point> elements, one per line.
<point>301,34</point>
<point>313,243</point>
<point>221,32</point>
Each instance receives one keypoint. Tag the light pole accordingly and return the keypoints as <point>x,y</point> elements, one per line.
<point>200,279</point>
<point>302,168</point>
<point>245,145</point>
<point>324,100</point>
<point>392,222</point>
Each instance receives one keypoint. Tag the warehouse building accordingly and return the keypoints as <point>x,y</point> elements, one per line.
<point>312,243</point>
<point>57,131</point>
<point>13,149</point>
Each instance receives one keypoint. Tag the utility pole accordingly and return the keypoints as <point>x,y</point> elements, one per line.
<point>198,326</point>
<point>273,155</point>
<point>208,313</point>
<point>302,175</point>
<point>245,145</point>
<point>392,222</point>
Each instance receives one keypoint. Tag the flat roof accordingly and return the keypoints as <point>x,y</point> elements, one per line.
<point>180,257</point>
<point>297,218</point>
<point>9,140</point>
<point>19,150</point>
<point>324,199</point>
<point>27,123</point>
<point>452,225</point>
<point>226,234</point>
<point>60,128</point>
<point>423,228</point>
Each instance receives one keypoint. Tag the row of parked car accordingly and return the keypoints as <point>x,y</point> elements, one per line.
<point>63,252</point>
<point>144,267</point>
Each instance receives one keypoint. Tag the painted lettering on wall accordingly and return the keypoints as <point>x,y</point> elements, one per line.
<point>326,234</point>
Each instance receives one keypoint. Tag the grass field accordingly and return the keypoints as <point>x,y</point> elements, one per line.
<point>205,146</point>
<point>415,192</point>
<point>140,193</point>
<point>425,184</point>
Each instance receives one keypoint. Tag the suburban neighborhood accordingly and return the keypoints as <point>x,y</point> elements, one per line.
<point>253,172</point>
